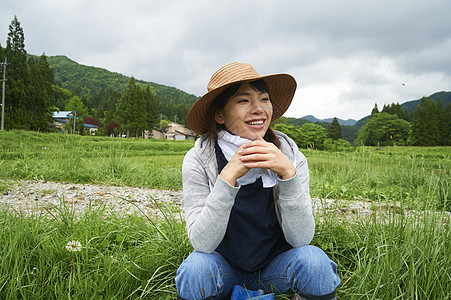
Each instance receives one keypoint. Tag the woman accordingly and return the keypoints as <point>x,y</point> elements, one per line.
<point>246,195</point>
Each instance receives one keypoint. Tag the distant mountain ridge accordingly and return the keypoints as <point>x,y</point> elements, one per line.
<point>445,98</point>
<point>348,122</point>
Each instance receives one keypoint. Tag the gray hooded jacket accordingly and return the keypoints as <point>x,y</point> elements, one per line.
<point>208,200</point>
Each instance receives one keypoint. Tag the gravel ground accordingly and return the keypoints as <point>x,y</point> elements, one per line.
<point>31,197</point>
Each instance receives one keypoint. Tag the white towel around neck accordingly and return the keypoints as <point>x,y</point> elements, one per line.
<point>229,144</point>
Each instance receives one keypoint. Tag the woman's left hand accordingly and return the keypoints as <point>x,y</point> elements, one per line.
<point>261,154</point>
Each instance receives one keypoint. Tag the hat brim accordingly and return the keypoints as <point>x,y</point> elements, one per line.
<point>281,87</point>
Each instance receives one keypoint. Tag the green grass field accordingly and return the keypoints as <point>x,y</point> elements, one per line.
<point>79,159</point>
<point>393,256</point>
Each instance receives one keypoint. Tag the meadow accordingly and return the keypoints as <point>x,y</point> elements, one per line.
<point>389,255</point>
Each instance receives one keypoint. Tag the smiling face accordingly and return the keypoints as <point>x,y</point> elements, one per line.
<point>247,113</point>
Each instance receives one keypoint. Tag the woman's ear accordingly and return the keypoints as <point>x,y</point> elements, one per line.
<point>218,117</point>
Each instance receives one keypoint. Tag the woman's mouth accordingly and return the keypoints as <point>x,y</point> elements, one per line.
<point>256,123</point>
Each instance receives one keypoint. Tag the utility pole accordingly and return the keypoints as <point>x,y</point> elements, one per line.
<point>3,94</point>
<point>75,116</point>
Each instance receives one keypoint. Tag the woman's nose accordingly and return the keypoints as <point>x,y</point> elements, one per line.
<point>256,108</point>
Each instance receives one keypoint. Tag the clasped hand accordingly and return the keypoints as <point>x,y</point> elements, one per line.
<point>257,154</point>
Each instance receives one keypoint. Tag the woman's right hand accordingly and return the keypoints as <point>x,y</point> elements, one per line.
<point>234,169</point>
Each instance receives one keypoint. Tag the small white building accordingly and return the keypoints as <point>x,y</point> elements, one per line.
<point>179,132</point>
<point>61,118</point>
<point>175,132</point>
<point>158,134</point>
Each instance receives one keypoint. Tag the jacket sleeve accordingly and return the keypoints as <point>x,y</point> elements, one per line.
<point>206,212</point>
<point>294,204</point>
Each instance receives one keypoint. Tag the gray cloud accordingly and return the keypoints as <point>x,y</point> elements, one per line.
<point>346,55</point>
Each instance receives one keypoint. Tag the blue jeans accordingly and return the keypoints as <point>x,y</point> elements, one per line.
<point>306,270</point>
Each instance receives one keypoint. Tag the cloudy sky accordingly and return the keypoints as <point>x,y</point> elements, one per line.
<point>345,55</point>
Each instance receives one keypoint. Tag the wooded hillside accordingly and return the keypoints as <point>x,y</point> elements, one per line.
<point>444,97</point>
<point>89,82</point>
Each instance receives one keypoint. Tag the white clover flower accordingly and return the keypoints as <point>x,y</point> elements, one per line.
<point>73,246</point>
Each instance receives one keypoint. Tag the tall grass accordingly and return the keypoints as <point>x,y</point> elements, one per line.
<point>419,177</point>
<point>389,256</point>
<point>122,257</point>
<point>79,159</point>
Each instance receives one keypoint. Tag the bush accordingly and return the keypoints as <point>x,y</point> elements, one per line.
<point>337,145</point>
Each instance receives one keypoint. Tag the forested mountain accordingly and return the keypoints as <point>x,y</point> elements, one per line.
<point>88,82</point>
<point>444,97</point>
<point>361,122</point>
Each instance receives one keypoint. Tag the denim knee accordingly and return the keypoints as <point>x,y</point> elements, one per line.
<point>313,271</point>
<point>198,277</point>
<point>197,263</point>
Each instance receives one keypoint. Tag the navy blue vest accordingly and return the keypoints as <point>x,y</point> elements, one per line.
<point>253,237</point>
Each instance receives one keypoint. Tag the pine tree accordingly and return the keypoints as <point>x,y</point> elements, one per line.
<point>425,129</point>
<point>2,56</point>
<point>16,38</point>
<point>334,131</point>
<point>375,109</point>
<point>123,113</point>
<point>130,109</point>
<point>40,93</point>
<point>447,128</point>
<point>442,122</point>
<point>18,78</point>
<point>109,108</point>
<point>151,108</point>
<point>397,110</point>
<point>139,114</point>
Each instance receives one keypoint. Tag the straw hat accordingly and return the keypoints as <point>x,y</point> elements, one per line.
<point>281,90</point>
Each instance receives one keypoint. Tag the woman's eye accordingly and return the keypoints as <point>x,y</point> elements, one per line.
<point>242,101</point>
<point>265,99</point>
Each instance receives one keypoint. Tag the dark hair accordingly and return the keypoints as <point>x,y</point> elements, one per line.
<point>220,102</point>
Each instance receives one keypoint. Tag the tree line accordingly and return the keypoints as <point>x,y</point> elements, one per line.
<point>428,125</point>
<point>313,135</point>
